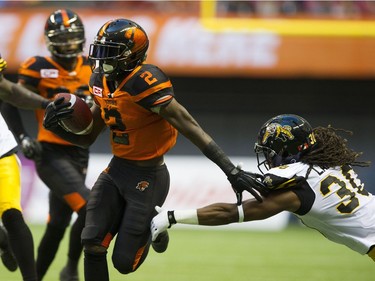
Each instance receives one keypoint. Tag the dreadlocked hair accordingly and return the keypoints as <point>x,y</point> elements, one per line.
<point>331,150</point>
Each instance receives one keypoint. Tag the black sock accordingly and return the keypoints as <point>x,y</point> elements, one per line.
<point>75,244</point>
<point>22,243</point>
<point>96,267</point>
<point>48,248</point>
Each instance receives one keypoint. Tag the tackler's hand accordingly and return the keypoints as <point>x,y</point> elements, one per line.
<point>55,112</point>
<point>251,182</point>
<point>161,222</point>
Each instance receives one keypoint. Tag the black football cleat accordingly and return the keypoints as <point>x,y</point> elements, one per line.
<point>7,256</point>
<point>160,244</point>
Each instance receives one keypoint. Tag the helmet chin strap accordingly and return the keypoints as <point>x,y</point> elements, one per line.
<point>116,76</point>
<point>121,71</point>
<point>111,76</point>
<point>278,160</point>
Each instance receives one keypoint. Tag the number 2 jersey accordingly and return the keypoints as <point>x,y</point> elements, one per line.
<point>333,201</point>
<point>49,78</point>
<point>137,133</point>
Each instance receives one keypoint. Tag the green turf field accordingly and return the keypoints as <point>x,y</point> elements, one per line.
<point>294,254</point>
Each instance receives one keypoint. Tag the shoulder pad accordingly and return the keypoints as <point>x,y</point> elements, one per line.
<point>285,176</point>
<point>145,78</point>
<point>36,63</point>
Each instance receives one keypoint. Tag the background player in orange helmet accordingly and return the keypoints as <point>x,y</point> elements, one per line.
<point>136,101</point>
<point>61,165</point>
<point>309,173</point>
<point>16,241</point>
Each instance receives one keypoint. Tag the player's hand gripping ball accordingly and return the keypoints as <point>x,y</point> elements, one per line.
<point>80,121</point>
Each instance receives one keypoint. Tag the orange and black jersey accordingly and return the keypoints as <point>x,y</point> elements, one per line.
<point>137,133</point>
<point>50,78</point>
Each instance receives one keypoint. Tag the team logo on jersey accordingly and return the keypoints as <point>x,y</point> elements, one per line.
<point>49,73</point>
<point>267,181</point>
<point>142,185</point>
<point>97,91</point>
<point>278,132</point>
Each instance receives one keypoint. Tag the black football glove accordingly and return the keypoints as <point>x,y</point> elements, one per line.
<point>30,147</point>
<point>55,112</point>
<point>251,182</point>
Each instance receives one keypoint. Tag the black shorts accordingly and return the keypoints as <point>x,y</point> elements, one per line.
<point>123,202</point>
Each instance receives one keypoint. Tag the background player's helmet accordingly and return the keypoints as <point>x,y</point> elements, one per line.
<point>120,45</point>
<point>283,140</point>
<point>64,34</point>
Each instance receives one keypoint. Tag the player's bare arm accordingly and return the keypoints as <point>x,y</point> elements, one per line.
<point>17,95</point>
<point>181,119</point>
<point>20,97</point>
<point>225,213</point>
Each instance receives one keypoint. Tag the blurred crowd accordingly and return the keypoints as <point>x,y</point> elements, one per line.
<point>153,5</point>
<point>307,8</point>
<point>262,8</point>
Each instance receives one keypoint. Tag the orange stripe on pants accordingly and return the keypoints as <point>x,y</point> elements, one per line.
<point>75,201</point>
<point>138,257</point>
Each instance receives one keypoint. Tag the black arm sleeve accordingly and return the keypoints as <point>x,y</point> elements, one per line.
<point>213,152</point>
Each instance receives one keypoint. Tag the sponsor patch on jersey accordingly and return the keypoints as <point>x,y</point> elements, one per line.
<point>49,73</point>
<point>97,91</point>
<point>142,185</point>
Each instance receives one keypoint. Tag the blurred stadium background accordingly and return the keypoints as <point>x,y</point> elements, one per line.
<point>234,64</point>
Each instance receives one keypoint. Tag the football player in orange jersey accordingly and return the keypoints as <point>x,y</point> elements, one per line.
<point>16,241</point>
<point>61,165</point>
<point>136,101</point>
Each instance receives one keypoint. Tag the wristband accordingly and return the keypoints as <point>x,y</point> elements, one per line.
<point>171,218</point>
<point>241,214</point>
<point>186,216</point>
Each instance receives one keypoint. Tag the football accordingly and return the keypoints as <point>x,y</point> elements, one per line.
<point>81,120</point>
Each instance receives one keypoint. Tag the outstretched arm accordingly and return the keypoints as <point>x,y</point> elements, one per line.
<point>240,180</point>
<point>226,213</point>
<point>17,95</point>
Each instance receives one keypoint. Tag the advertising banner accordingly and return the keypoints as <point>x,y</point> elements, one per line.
<point>184,45</point>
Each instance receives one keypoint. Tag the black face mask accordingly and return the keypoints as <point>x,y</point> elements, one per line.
<point>278,160</point>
